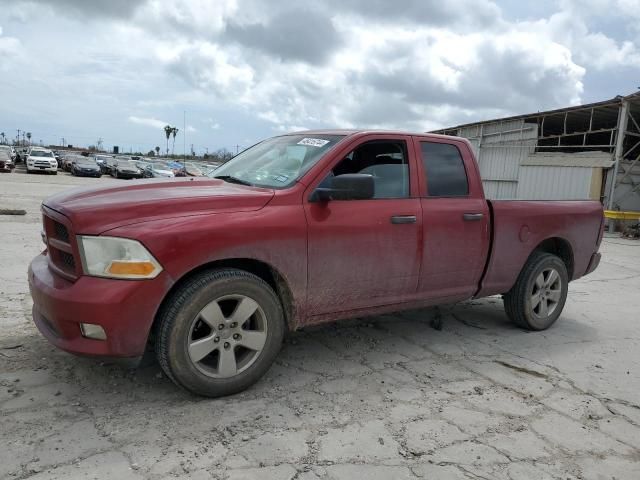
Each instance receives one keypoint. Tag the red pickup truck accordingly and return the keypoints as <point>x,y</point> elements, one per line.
<point>297,230</point>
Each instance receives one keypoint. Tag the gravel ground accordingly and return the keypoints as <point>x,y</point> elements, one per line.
<point>386,397</point>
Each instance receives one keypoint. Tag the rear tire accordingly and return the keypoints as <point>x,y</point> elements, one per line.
<point>536,300</point>
<point>220,332</point>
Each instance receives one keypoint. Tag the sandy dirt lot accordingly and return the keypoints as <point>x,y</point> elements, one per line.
<point>386,397</point>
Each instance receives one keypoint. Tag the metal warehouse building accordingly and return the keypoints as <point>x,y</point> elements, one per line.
<point>570,153</point>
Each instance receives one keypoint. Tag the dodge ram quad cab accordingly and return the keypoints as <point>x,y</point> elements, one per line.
<point>300,229</point>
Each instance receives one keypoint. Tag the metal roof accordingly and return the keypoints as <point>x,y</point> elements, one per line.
<point>613,102</point>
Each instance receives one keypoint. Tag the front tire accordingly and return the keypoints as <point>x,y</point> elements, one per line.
<point>536,300</point>
<point>220,332</point>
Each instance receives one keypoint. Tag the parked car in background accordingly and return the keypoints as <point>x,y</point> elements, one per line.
<point>157,170</point>
<point>142,164</point>
<point>10,151</point>
<point>86,167</point>
<point>297,230</point>
<point>110,165</point>
<point>102,161</point>
<point>177,168</point>
<point>193,170</point>
<point>9,155</point>
<point>5,161</point>
<point>41,160</point>
<point>58,158</point>
<point>126,169</point>
<point>67,161</point>
<point>21,154</point>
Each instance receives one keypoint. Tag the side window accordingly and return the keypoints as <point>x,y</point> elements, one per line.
<point>388,163</point>
<point>444,168</point>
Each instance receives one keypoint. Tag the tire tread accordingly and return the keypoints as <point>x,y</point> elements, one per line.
<point>179,299</point>
<point>515,298</point>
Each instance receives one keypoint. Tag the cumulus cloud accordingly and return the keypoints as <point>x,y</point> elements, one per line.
<point>294,34</point>
<point>147,122</point>
<point>97,9</point>
<point>456,14</point>
<point>392,77</point>
<point>10,48</point>
<point>415,64</point>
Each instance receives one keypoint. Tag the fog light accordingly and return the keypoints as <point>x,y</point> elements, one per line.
<point>90,330</point>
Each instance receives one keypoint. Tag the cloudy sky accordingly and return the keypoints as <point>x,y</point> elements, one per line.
<point>246,69</point>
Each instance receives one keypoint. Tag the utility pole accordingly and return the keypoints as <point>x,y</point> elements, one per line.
<point>184,139</point>
<point>18,137</point>
<point>237,149</point>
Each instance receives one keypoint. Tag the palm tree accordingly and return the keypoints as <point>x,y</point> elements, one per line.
<point>157,151</point>
<point>167,131</point>
<point>29,137</point>
<point>174,131</point>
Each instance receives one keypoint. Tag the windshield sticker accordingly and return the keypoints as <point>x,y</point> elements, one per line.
<point>313,142</point>
<point>281,178</point>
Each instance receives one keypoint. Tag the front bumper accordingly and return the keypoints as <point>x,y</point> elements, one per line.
<point>42,168</point>
<point>88,173</point>
<point>125,309</point>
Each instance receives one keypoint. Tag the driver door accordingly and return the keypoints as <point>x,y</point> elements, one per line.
<point>365,253</point>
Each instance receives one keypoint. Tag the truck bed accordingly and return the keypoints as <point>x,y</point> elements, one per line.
<point>519,226</point>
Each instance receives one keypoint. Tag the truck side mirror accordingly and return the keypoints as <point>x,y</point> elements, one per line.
<point>350,186</point>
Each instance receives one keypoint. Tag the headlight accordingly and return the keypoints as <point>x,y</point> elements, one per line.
<point>115,257</point>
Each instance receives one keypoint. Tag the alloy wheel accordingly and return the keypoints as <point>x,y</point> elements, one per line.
<point>227,336</point>
<point>546,293</point>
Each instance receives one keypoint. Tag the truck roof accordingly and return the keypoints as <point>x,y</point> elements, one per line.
<point>350,132</point>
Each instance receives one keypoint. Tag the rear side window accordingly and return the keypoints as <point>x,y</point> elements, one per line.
<point>443,165</point>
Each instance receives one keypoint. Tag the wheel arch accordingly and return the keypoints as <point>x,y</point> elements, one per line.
<point>258,268</point>
<point>561,248</point>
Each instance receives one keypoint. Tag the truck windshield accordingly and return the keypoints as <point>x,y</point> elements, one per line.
<point>277,162</point>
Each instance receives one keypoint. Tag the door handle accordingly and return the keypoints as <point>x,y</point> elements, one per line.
<point>400,219</point>
<point>472,217</point>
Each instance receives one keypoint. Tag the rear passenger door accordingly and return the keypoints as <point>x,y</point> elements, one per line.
<point>455,219</point>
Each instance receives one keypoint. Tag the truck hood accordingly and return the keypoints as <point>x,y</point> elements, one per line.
<point>93,211</point>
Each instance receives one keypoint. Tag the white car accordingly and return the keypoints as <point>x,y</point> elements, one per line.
<point>41,160</point>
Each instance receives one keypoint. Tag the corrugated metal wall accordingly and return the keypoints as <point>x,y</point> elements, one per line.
<point>500,147</point>
<point>554,183</point>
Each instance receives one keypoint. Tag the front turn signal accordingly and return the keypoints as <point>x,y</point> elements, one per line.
<point>123,268</point>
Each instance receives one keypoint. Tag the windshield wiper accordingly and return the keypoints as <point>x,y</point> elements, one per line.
<point>232,179</point>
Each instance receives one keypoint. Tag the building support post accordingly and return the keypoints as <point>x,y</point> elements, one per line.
<point>623,117</point>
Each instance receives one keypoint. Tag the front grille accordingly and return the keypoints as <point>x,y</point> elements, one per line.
<point>68,260</point>
<point>61,232</point>
<point>60,245</point>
